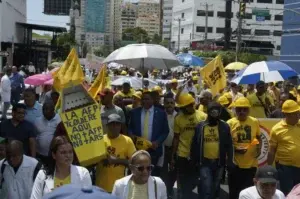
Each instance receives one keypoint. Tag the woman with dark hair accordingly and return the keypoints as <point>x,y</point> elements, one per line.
<point>60,170</point>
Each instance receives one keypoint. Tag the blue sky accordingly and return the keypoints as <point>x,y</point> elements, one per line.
<point>35,15</point>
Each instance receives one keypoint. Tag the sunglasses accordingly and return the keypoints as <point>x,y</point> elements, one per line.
<point>142,168</point>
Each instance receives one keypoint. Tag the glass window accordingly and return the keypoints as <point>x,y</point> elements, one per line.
<point>223,14</point>
<point>264,1</point>
<point>262,32</point>
<point>202,13</point>
<point>279,1</point>
<point>202,29</point>
<point>278,17</point>
<point>182,15</point>
<point>246,31</point>
<point>277,33</point>
<point>278,48</point>
<point>182,30</point>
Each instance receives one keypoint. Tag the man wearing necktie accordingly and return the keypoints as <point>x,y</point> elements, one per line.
<point>150,123</point>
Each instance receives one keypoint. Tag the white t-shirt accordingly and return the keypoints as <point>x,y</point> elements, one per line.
<point>251,193</point>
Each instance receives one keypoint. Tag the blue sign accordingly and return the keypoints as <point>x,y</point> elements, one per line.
<point>260,18</point>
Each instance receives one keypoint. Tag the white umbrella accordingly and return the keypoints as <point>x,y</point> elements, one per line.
<point>135,82</point>
<point>144,56</point>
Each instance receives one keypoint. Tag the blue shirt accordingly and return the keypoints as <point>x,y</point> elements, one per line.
<point>150,122</point>
<point>32,114</point>
<point>17,82</point>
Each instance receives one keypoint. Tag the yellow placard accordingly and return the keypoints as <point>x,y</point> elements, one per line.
<point>85,132</point>
<point>214,75</point>
<point>141,143</point>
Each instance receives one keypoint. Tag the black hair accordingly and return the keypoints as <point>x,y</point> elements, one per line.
<point>213,105</point>
<point>54,93</point>
<point>18,106</point>
<point>30,90</point>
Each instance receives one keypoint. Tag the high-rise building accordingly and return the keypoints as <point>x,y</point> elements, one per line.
<point>57,7</point>
<point>261,25</point>
<point>149,23</point>
<point>129,15</point>
<point>95,16</point>
<point>290,51</point>
<point>167,19</point>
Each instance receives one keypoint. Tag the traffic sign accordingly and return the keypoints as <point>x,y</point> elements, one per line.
<point>260,12</point>
<point>260,18</point>
<point>4,54</point>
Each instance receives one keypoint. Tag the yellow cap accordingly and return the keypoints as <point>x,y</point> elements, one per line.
<point>157,89</point>
<point>223,100</point>
<point>123,72</point>
<point>195,78</point>
<point>155,71</point>
<point>184,100</point>
<point>241,102</point>
<point>227,95</point>
<point>290,106</point>
<point>174,81</point>
<point>298,88</point>
<point>194,72</point>
<point>138,94</point>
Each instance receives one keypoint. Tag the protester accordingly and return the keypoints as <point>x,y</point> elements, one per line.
<point>189,87</point>
<point>17,85</point>
<point>126,91</point>
<point>212,149</point>
<point>31,69</point>
<point>274,93</point>
<point>277,113</point>
<point>118,100</point>
<point>5,92</point>
<point>109,108</point>
<point>17,128</point>
<point>18,172</point>
<point>245,134</point>
<point>184,128</point>
<point>234,92</point>
<point>265,183</point>
<point>60,170</point>
<point>78,192</point>
<point>119,150</point>
<point>250,90</point>
<point>33,108</point>
<point>205,98</point>
<point>156,94</point>
<point>151,123</point>
<point>284,147</point>
<point>46,126</point>
<point>136,100</point>
<point>140,184</point>
<point>173,85</point>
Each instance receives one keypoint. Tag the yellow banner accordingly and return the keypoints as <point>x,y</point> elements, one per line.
<point>265,125</point>
<point>100,82</point>
<point>214,75</point>
<point>85,132</point>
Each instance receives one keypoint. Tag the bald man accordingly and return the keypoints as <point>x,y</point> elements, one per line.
<point>17,85</point>
<point>18,172</point>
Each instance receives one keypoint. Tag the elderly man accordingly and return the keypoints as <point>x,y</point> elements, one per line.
<point>205,98</point>
<point>17,85</point>
<point>284,145</point>
<point>33,108</point>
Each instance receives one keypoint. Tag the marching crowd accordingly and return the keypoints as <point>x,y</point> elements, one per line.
<point>196,139</point>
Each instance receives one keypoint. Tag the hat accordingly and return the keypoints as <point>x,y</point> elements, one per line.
<point>138,94</point>
<point>290,106</point>
<point>114,118</point>
<point>205,93</point>
<point>123,72</point>
<point>227,95</point>
<point>242,102</point>
<point>266,174</point>
<point>185,100</point>
<point>174,81</point>
<point>223,100</point>
<point>157,89</point>
<point>106,91</point>
<point>155,71</point>
<point>76,191</point>
<point>195,78</point>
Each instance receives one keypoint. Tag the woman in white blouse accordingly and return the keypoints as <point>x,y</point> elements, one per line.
<point>140,185</point>
<point>60,170</point>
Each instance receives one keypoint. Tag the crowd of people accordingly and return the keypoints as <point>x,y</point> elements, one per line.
<point>197,140</point>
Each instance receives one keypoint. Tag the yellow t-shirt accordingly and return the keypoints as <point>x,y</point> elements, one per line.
<point>59,182</point>
<point>257,110</point>
<point>197,86</point>
<point>243,133</point>
<point>286,139</point>
<point>202,108</point>
<point>185,125</point>
<point>211,142</point>
<point>137,191</point>
<point>128,95</point>
<point>174,91</point>
<point>121,147</point>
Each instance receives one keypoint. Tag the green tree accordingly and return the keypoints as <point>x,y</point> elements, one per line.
<point>65,40</point>
<point>135,34</point>
<point>102,51</point>
<point>156,39</point>
<point>165,43</point>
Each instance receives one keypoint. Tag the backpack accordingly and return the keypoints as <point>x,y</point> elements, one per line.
<point>35,172</point>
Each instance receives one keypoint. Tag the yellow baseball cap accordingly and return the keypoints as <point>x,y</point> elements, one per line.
<point>241,102</point>
<point>195,78</point>
<point>290,106</point>
<point>123,72</point>
<point>157,89</point>
<point>138,94</point>
<point>223,100</point>
<point>185,100</point>
<point>174,81</point>
<point>227,95</point>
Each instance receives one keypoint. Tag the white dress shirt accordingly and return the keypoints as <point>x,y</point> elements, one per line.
<point>251,193</point>
<point>5,89</point>
<point>169,140</point>
<point>150,122</point>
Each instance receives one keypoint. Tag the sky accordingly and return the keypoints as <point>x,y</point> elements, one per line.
<point>35,15</point>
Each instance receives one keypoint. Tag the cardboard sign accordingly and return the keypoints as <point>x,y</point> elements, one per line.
<point>85,132</point>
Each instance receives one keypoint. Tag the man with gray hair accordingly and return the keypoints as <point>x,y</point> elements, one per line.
<point>5,88</point>
<point>205,97</point>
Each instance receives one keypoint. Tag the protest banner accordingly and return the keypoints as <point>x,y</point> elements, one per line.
<point>82,120</point>
<point>265,125</point>
<point>214,75</point>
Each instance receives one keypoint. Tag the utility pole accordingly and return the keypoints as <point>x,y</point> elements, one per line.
<point>179,29</point>
<point>241,14</point>
<point>227,34</point>
<point>206,23</point>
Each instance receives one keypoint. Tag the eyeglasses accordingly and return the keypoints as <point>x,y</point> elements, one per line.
<point>142,168</point>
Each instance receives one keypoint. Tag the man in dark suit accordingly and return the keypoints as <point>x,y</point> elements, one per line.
<point>151,123</point>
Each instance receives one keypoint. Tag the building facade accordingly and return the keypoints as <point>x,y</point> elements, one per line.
<point>149,23</point>
<point>129,15</point>
<point>11,12</point>
<point>167,19</point>
<point>290,52</point>
<point>57,7</point>
<point>260,34</point>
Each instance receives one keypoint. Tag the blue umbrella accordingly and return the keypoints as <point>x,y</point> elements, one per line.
<point>187,59</point>
<point>267,71</point>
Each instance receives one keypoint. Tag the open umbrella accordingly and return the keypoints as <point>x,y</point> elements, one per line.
<point>267,71</point>
<point>144,56</point>
<point>135,82</point>
<point>235,66</point>
<point>38,79</point>
<point>187,59</point>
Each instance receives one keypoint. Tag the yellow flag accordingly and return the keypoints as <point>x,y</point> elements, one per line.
<point>214,75</point>
<point>100,82</point>
<point>69,72</point>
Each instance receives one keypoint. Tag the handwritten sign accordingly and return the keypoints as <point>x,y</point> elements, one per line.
<point>85,132</point>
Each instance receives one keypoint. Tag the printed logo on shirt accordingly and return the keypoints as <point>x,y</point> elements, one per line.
<point>244,134</point>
